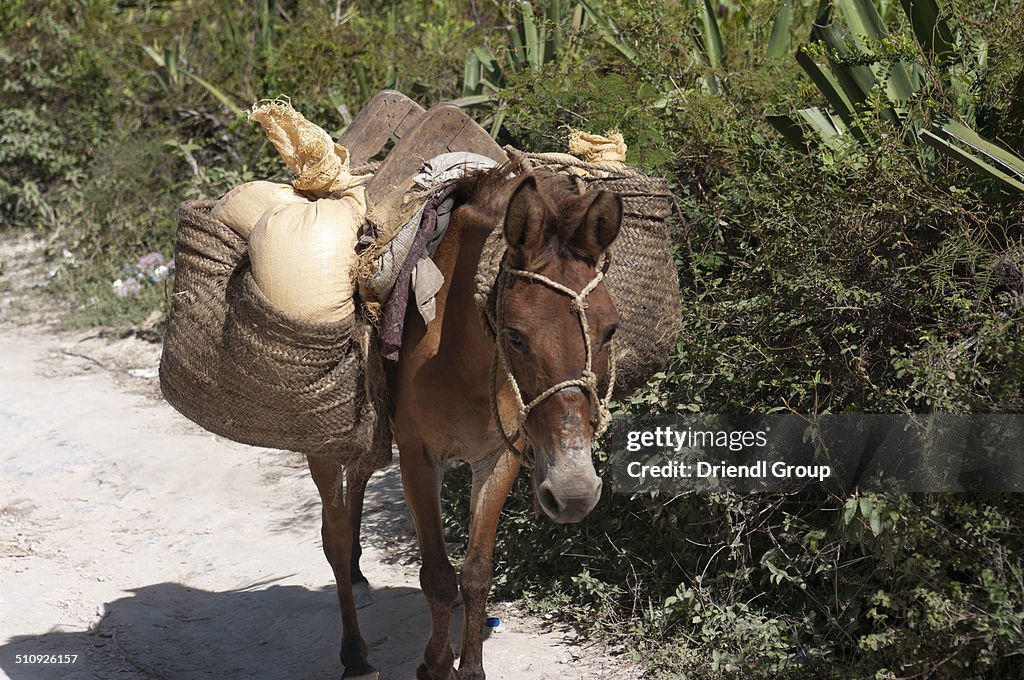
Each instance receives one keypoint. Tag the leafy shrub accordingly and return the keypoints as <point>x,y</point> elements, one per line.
<point>844,283</point>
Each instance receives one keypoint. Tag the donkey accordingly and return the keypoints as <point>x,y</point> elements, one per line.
<point>529,389</point>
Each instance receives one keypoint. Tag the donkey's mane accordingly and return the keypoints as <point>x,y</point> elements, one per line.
<point>488,192</point>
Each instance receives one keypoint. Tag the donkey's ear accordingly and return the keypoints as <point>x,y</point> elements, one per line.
<point>600,225</point>
<point>524,218</point>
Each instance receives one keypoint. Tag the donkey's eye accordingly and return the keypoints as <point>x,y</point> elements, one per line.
<point>608,335</point>
<point>515,339</point>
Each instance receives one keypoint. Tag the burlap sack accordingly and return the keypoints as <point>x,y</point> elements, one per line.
<point>303,256</point>
<point>242,207</point>
<point>608,148</point>
<point>320,165</point>
<point>242,369</point>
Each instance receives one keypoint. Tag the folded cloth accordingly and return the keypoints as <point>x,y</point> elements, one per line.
<point>427,280</point>
<point>434,175</point>
<point>393,317</point>
<point>418,274</point>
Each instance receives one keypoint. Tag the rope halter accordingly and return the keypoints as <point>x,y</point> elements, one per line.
<point>587,381</point>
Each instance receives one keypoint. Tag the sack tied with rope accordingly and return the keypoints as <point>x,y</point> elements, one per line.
<point>264,344</point>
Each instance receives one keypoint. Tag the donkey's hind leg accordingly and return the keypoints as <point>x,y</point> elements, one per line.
<point>355,489</point>
<point>338,547</point>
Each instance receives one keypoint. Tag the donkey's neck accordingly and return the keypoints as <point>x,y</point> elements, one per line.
<point>442,382</point>
<point>462,333</point>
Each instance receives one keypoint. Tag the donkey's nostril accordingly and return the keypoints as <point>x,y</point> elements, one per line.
<point>567,508</point>
<point>548,500</point>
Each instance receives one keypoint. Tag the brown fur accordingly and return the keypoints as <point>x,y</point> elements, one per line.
<point>440,391</point>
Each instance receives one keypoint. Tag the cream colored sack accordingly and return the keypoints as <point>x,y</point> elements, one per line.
<point>242,207</point>
<point>303,255</point>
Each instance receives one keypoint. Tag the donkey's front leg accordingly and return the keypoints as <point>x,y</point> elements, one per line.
<point>421,481</point>
<point>337,536</point>
<point>492,481</point>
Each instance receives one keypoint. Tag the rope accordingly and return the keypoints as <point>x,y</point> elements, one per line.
<point>642,281</point>
<point>587,381</point>
<point>525,159</point>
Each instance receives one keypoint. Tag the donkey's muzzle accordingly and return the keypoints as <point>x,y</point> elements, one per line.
<point>568,495</point>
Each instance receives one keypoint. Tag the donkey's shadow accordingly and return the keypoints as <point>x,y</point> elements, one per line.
<point>171,631</point>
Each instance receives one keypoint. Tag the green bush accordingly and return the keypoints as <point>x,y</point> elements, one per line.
<point>846,282</point>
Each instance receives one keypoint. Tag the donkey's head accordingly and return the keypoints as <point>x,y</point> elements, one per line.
<point>556,238</point>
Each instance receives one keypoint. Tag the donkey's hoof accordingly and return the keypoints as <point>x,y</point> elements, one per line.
<point>361,594</point>
<point>423,673</point>
<point>364,673</point>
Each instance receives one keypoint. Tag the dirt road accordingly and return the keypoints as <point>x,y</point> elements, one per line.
<point>148,548</point>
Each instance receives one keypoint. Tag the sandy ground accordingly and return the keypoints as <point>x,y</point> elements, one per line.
<point>149,548</point>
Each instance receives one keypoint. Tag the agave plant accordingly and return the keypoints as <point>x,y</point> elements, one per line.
<point>234,40</point>
<point>967,146</point>
<point>533,39</point>
<point>710,47</point>
<point>861,66</point>
<point>171,74</point>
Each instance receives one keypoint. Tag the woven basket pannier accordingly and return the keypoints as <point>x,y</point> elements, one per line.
<point>244,370</point>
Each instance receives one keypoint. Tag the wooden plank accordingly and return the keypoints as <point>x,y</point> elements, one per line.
<point>442,129</point>
<point>389,113</point>
<point>475,139</point>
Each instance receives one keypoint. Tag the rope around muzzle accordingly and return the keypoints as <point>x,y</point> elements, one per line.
<point>587,381</point>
